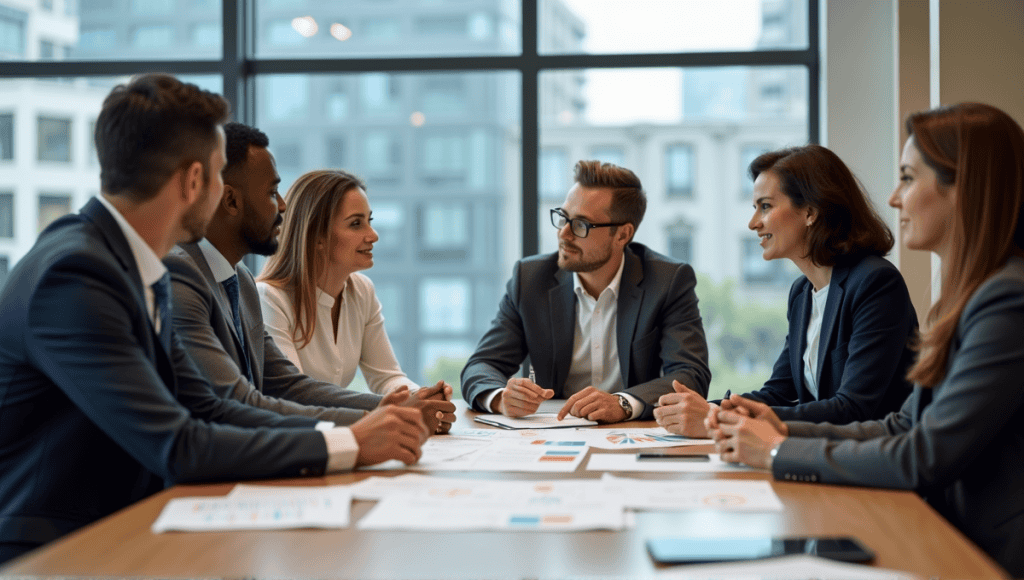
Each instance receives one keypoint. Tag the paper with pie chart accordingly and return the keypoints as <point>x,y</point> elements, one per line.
<point>714,494</point>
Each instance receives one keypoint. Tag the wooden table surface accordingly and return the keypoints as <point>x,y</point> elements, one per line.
<point>902,529</point>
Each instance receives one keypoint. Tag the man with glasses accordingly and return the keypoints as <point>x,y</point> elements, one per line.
<point>606,323</point>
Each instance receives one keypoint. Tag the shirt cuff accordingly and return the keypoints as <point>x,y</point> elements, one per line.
<point>324,425</point>
<point>342,449</point>
<point>637,405</point>
<point>488,398</point>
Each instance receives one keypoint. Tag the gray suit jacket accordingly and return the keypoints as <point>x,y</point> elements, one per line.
<point>202,319</point>
<point>959,444</point>
<point>660,335</point>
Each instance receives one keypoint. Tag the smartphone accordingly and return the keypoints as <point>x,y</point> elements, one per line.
<point>702,550</point>
<point>667,456</point>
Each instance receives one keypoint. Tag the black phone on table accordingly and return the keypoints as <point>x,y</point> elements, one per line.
<point>701,550</point>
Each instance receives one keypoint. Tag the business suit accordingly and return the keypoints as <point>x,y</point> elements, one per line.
<point>95,413</point>
<point>864,350</point>
<point>204,323</point>
<point>959,444</point>
<point>658,327</point>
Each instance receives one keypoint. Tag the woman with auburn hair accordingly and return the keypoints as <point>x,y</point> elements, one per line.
<point>851,320</point>
<point>322,313</point>
<point>959,438</point>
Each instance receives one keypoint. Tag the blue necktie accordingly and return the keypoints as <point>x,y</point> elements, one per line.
<point>231,287</point>
<point>162,294</point>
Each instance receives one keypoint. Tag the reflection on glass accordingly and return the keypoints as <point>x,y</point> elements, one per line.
<point>658,26</point>
<point>394,28</point>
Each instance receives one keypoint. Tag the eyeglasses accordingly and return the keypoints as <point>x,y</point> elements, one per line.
<point>580,227</point>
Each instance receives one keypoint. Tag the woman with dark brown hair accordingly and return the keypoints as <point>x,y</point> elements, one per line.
<point>851,320</point>
<point>958,440</point>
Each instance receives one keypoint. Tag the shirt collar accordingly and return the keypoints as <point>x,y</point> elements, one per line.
<point>577,286</point>
<point>150,267</point>
<point>219,265</point>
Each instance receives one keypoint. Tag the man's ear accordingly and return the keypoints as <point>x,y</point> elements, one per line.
<point>192,182</point>
<point>624,234</point>
<point>231,202</point>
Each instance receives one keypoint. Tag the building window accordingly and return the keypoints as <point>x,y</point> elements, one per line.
<point>389,223</point>
<point>554,173</point>
<point>390,296</point>
<point>51,207</point>
<point>449,25</point>
<point>46,5</point>
<point>6,136</point>
<point>153,37</point>
<point>206,34</point>
<point>680,242</point>
<point>443,94</point>
<point>747,156</point>
<point>287,97</point>
<point>679,171</point>
<point>337,104</point>
<point>444,305</point>
<point>380,92</point>
<point>46,51</point>
<point>54,139</point>
<point>382,155</point>
<point>335,152</point>
<point>757,270</point>
<point>4,265</point>
<point>609,154</point>
<point>444,233</point>
<point>97,39</point>
<point>6,214</point>
<point>152,7</point>
<point>12,32</point>
<point>443,158</point>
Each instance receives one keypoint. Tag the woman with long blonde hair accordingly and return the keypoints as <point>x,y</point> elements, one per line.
<point>959,438</point>
<point>322,313</point>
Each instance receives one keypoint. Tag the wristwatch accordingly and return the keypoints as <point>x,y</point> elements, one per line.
<point>771,454</point>
<point>626,406</point>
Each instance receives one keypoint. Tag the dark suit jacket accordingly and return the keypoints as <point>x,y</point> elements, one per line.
<point>203,322</point>
<point>959,444</point>
<point>94,413</point>
<point>864,351</point>
<point>660,336</point>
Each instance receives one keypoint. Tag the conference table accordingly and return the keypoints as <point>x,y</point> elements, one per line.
<point>905,533</point>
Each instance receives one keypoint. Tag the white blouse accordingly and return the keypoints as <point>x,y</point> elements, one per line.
<point>362,340</point>
<point>818,299</point>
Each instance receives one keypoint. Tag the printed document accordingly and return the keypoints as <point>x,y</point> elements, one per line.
<point>310,508</point>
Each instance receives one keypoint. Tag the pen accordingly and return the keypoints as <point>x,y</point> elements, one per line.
<point>533,375</point>
<point>728,393</point>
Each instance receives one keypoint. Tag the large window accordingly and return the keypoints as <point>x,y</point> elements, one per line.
<point>464,118</point>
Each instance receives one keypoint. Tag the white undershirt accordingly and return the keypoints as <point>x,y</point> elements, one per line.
<point>818,299</point>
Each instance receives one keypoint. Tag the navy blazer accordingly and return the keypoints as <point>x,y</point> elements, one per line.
<point>658,327</point>
<point>864,351</point>
<point>959,444</point>
<point>94,413</point>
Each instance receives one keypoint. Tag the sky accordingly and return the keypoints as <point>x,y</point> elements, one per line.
<point>655,95</point>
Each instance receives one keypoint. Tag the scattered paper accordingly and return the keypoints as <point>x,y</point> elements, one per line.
<point>628,462</point>
<point>717,494</point>
<point>521,506</point>
<point>492,455</point>
<point>535,421</point>
<point>310,508</point>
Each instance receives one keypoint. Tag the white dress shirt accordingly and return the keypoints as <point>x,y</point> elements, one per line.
<point>362,341</point>
<point>150,267</point>
<point>818,299</point>
<point>595,349</point>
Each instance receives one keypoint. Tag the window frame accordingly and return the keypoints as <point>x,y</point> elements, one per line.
<point>239,69</point>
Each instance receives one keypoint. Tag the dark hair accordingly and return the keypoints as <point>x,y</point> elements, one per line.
<point>237,139</point>
<point>629,202</point>
<point>977,151</point>
<point>846,224</point>
<point>152,127</point>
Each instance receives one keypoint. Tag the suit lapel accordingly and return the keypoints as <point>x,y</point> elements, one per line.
<point>828,318</point>
<point>629,301</point>
<point>250,311</point>
<point>803,318</point>
<point>114,238</point>
<point>219,294</point>
<point>562,301</point>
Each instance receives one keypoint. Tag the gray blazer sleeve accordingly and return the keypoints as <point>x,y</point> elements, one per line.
<point>935,437</point>
<point>194,318</point>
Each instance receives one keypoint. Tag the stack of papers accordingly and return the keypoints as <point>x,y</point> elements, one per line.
<point>535,421</point>
<point>302,507</point>
<point>459,453</point>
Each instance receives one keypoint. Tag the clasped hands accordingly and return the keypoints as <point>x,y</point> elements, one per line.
<point>744,431</point>
<point>434,402</point>
<point>402,422</point>
<point>522,397</point>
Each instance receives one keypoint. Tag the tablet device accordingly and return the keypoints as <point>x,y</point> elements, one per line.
<point>699,550</point>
